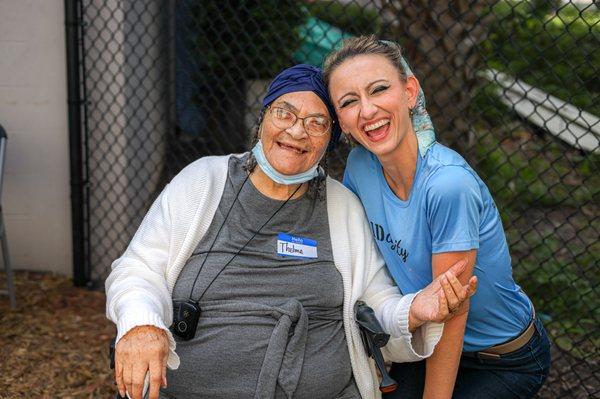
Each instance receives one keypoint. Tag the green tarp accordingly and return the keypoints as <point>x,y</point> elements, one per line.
<point>318,39</point>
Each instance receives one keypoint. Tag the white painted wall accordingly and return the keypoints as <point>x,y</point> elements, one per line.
<point>33,110</point>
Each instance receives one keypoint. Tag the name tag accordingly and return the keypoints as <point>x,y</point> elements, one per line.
<point>288,245</point>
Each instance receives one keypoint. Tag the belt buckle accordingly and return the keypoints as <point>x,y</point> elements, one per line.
<point>488,356</point>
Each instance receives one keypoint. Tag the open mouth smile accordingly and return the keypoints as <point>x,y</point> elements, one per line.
<point>378,130</point>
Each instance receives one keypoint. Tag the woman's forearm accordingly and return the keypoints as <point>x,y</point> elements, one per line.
<point>442,366</point>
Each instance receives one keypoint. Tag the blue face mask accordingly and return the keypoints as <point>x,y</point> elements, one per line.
<point>280,178</point>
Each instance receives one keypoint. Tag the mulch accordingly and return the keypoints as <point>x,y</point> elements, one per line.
<point>55,344</point>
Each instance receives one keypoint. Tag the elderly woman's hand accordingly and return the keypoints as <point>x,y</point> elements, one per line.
<point>443,299</point>
<point>143,349</point>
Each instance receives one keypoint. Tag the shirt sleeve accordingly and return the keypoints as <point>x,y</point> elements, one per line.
<point>349,179</point>
<point>454,206</point>
<point>136,289</point>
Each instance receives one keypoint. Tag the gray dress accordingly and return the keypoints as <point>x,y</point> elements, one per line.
<point>271,325</point>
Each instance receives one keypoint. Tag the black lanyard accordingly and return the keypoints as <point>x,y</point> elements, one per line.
<point>241,249</point>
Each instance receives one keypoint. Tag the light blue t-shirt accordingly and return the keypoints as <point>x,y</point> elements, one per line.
<point>449,209</point>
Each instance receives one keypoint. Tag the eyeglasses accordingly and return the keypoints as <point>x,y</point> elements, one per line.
<point>314,125</point>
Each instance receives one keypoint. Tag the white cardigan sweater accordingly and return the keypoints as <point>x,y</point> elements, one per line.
<point>139,287</point>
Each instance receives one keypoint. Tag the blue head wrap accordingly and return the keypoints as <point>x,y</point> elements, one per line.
<point>303,77</point>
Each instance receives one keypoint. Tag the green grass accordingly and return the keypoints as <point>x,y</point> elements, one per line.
<point>557,52</point>
<point>537,172</point>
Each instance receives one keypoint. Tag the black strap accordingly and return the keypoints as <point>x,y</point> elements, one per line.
<point>242,248</point>
<point>218,232</point>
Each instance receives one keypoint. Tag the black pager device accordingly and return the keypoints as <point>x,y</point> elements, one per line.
<point>374,338</point>
<point>185,319</point>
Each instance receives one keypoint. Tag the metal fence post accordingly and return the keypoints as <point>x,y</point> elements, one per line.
<point>80,277</point>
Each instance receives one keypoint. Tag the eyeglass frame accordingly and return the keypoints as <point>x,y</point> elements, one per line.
<point>328,130</point>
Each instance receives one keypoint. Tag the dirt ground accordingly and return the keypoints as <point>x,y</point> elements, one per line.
<point>55,345</point>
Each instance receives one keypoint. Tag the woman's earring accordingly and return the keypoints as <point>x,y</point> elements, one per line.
<point>411,112</point>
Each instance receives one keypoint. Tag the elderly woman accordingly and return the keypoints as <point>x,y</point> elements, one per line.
<point>430,208</point>
<point>264,257</point>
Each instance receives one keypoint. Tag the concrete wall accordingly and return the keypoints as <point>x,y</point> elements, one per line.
<point>33,110</point>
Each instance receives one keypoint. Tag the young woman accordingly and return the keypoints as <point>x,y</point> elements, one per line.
<point>427,208</point>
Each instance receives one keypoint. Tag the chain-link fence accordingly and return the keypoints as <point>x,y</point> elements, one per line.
<point>512,85</point>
